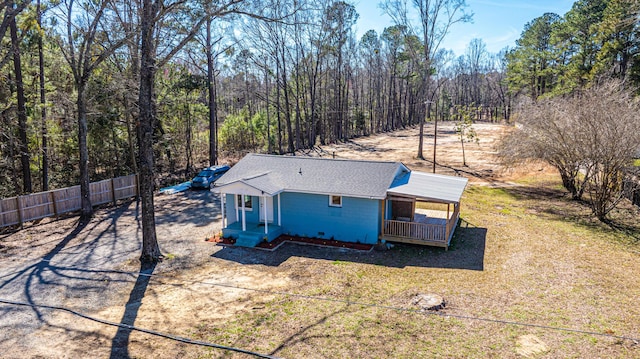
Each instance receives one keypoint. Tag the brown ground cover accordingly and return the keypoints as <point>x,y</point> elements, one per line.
<point>525,259</point>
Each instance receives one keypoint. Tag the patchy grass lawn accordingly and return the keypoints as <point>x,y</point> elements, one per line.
<point>523,254</point>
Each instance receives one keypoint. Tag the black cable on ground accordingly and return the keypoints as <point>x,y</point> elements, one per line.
<point>380,306</point>
<point>373,305</point>
<point>143,330</point>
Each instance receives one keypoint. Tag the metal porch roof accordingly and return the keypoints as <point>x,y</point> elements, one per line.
<point>431,187</point>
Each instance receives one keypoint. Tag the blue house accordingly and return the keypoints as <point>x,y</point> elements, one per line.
<point>265,196</point>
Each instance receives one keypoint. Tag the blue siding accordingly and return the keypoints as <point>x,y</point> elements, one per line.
<point>253,216</point>
<point>310,215</point>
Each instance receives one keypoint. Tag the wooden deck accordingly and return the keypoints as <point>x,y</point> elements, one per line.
<point>429,227</point>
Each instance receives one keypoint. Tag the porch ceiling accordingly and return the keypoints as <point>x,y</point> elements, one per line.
<point>260,185</point>
<point>429,187</point>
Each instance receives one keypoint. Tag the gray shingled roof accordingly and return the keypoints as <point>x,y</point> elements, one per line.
<point>274,174</point>
<point>427,186</point>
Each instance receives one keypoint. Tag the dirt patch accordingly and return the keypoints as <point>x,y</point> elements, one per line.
<point>482,166</point>
<point>529,346</point>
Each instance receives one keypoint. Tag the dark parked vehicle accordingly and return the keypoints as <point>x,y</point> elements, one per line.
<point>208,176</point>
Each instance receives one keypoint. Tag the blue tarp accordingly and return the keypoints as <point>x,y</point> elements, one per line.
<point>177,188</point>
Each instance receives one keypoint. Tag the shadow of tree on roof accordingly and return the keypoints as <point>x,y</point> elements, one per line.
<point>466,252</point>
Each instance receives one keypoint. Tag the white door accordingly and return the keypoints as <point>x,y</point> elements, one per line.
<point>269,209</point>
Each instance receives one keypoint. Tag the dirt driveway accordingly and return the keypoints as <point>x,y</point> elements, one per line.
<point>89,268</point>
<point>93,268</point>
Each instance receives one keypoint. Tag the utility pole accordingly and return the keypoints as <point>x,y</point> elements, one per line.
<point>435,138</point>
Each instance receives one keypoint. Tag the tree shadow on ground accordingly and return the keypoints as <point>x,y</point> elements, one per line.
<point>556,204</point>
<point>466,252</point>
<point>120,342</point>
<point>64,272</point>
<point>301,335</point>
<point>198,207</point>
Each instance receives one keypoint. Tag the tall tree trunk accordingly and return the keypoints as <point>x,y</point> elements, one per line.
<point>130,142</point>
<point>287,105</point>
<point>188,144</point>
<point>421,140</point>
<point>43,110</point>
<point>22,113</point>
<point>85,194</point>
<point>150,249</point>
<point>278,104</point>
<point>213,110</point>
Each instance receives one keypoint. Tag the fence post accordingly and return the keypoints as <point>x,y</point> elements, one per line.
<point>19,207</point>
<point>1,215</point>
<point>113,192</point>
<point>55,205</point>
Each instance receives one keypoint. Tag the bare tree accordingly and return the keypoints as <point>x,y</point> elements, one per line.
<point>610,123</point>
<point>436,18</point>
<point>546,131</point>
<point>155,16</point>
<point>590,138</point>
<point>84,55</point>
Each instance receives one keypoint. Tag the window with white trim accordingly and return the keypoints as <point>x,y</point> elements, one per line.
<point>335,201</point>
<point>247,202</point>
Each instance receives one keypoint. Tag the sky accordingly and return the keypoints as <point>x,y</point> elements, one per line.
<point>499,23</point>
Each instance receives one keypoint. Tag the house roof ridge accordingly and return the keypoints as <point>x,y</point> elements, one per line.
<point>324,158</point>
<point>256,175</point>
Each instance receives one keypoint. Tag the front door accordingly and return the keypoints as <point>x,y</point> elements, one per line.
<point>269,209</point>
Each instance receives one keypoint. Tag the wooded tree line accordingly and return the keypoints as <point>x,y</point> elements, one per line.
<point>70,84</point>
<point>558,55</point>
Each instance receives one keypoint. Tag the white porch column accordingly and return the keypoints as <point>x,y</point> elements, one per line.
<point>244,214</point>
<point>266,219</point>
<point>222,197</point>
<point>279,217</point>
<point>235,198</point>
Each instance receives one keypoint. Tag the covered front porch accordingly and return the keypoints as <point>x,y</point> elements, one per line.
<point>432,227</point>
<point>422,209</point>
<point>250,211</point>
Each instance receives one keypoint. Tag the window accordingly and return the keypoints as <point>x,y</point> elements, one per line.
<point>335,201</point>
<point>247,202</point>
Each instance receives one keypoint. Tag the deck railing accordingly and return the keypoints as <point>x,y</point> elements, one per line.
<point>414,230</point>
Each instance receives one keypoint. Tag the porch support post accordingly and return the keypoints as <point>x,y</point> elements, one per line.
<point>448,225</point>
<point>235,204</point>
<point>383,205</point>
<point>222,197</point>
<point>279,216</point>
<point>266,220</point>
<point>244,214</point>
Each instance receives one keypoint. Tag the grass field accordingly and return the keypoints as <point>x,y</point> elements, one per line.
<point>523,253</point>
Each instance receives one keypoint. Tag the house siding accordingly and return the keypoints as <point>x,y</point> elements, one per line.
<point>253,216</point>
<point>309,215</point>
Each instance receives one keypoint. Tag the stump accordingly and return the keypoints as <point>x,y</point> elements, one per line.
<point>429,301</point>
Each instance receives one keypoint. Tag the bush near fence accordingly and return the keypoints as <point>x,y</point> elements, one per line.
<point>21,209</point>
